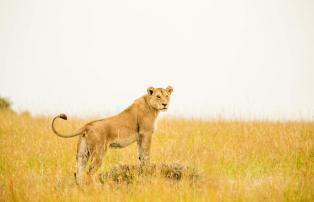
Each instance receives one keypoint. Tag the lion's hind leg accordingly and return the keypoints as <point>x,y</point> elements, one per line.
<point>96,158</point>
<point>82,158</point>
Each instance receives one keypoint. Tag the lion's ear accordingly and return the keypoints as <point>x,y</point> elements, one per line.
<point>169,89</point>
<point>150,90</point>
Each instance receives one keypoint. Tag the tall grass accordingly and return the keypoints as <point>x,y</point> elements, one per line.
<point>240,161</point>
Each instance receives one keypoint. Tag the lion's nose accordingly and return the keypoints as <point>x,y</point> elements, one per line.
<point>165,105</point>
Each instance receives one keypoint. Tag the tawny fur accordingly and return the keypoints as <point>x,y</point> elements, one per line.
<point>135,124</point>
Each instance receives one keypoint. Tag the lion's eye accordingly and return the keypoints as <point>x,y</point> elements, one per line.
<point>158,97</point>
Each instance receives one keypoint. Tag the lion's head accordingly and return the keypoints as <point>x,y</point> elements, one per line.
<point>158,98</point>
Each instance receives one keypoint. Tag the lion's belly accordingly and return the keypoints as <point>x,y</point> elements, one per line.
<point>120,141</point>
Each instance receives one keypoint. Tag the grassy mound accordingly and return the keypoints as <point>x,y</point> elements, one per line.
<point>124,173</point>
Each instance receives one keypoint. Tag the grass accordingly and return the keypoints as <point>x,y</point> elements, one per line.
<point>238,161</point>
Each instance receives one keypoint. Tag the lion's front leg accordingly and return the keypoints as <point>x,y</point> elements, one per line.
<point>144,143</point>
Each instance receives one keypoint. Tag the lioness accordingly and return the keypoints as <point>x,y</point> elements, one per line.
<point>135,124</point>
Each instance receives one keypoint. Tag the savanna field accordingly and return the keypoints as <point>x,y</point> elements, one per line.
<point>236,161</point>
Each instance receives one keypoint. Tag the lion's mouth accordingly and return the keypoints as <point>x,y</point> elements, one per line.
<point>164,109</point>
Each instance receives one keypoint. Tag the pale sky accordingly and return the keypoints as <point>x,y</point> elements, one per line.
<point>224,58</point>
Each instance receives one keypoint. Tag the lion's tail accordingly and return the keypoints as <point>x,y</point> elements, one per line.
<point>64,117</point>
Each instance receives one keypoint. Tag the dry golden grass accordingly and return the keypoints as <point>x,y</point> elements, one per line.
<point>240,161</point>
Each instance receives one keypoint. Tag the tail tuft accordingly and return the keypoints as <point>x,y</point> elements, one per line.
<point>63,116</point>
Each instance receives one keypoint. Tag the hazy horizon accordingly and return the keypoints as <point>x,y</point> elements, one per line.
<point>227,59</point>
